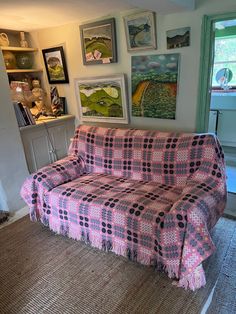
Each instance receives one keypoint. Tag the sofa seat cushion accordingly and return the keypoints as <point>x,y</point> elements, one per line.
<point>122,214</point>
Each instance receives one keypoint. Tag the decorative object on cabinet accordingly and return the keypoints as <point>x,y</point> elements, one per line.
<point>9,59</point>
<point>55,64</point>
<point>140,31</point>
<point>4,41</point>
<point>154,85</point>
<point>23,41</point>
<point>177,38</point>
<point>102,99</point>
<point>39,100</point>
<point>57,109</point>
<point>24,60</point>
<point>98,42</point>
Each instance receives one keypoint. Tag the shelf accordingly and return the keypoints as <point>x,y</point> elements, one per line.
<point>24,70</point>
<point>18,48</point>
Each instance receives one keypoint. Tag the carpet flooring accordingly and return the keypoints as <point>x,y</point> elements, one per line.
<point>46,273</point>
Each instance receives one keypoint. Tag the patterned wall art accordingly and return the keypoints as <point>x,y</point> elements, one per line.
<point>154,85</point>
<point>98,42</point>
<point>102,99</point>
<point>140,31</point>
<point>177,38</point>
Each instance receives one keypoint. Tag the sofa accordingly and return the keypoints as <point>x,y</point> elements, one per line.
<point>150,196</point>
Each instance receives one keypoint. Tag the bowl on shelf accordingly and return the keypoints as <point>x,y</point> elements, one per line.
<point>24,61</point>
<point>9,59</point>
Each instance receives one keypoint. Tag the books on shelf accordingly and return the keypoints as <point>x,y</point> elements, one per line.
<point>23,115</point>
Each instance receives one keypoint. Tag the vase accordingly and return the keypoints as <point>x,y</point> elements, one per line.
<point>23,41</point>
<point>24,61</point>
<point>9,59</point>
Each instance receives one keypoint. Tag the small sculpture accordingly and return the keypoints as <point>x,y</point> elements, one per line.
<point>39,99</point>
<point>55,102</point>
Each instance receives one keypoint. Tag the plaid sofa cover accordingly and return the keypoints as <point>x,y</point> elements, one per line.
<point>148,195</point>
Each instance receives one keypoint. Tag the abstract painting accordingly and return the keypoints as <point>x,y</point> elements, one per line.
<point>177,38</point>
<point>154,85</point>
<point>102,99</point>
<point>140,31</point>
<point>98,42</point>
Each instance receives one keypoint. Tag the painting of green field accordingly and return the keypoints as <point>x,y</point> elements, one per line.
<point>154,85</point>
<point>98,39</point>
<point>102,99</point>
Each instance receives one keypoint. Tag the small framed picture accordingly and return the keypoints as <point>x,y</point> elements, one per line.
<point>98,41</point>
<point>55,63</point>
<point>178,38</point>
<point>140,31</point>
<point>102,99</point>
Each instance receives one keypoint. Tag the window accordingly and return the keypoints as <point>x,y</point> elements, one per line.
<point>225,57</point>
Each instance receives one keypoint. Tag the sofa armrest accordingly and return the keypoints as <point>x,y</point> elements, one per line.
<point>194,214</point>
<point>47,178</point>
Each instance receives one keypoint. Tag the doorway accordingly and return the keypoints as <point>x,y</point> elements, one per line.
<point>217,92</point>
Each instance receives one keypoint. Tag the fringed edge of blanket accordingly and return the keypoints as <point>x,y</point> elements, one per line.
<point>192,281</point>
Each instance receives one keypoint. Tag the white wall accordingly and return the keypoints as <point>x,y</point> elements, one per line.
<point>69,36</point>
<point>13,169</point>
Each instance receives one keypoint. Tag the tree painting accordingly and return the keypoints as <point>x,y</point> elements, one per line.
<point>154,85</point>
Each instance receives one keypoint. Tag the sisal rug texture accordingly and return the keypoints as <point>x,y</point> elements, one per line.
<point>45,273</point>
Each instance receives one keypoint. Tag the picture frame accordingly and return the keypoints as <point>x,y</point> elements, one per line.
<point>102,99</point>
<point>98,41</point>
<point>178,38</point>
<point>140,30</point>
<point>55,64</point>
<point>154,81</point>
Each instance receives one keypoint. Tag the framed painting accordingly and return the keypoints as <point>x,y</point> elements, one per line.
<point>155,85</point>
<point>98,41</point>
<point>55,63</point>
<point>177,38</point>
<point>140,31</point>
<point>102,99</point>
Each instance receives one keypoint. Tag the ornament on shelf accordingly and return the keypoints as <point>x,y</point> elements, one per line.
<point>24,60</point>
<point>23,41</point>
<point>57,109</point>
<point>4,41</point>
<point>9,59</point>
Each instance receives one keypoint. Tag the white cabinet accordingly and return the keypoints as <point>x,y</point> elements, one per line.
<point>47,141</point>
<point>212,121</point>
<point>226,129</point>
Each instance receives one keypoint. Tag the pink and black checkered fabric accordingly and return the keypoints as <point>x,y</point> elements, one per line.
<point>147,195</point>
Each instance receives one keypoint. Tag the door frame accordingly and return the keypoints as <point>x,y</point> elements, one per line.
<point>206,67</point>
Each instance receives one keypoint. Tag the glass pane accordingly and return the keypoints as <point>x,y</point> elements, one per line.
<point>225,49</point>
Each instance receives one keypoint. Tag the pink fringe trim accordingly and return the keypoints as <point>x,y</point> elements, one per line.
<point>192,281</point>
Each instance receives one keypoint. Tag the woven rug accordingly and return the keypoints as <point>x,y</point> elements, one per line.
<point>46,273</point>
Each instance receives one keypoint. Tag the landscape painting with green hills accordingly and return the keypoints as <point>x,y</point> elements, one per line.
<point>103,99</point>
<point>154,85</point>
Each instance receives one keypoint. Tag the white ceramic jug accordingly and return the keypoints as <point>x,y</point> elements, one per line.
<point>4,40</point>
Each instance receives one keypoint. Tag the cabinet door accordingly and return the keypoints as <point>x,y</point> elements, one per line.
<point>59,136</point>
<point>37,149</point>
<point>226,129</point>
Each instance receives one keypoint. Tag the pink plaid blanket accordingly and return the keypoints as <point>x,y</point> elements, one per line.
<point>150,196</point>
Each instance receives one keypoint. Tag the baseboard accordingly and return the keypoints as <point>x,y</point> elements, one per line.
<point>14,216</point>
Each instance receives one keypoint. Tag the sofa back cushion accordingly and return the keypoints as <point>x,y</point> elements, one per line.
<point>147,155</point>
